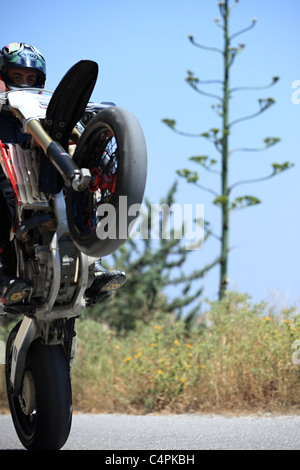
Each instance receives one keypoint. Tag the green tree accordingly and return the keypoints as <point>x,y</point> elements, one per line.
<point>220,136</point>
<point>152,265</point>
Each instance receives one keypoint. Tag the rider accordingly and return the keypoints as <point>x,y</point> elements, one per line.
<point>21,66</point>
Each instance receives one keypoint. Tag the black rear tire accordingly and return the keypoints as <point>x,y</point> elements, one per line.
<point>46,425</point>
<point>113,148</point>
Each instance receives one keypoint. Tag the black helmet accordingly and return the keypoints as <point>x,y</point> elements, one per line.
<point>21,55</point>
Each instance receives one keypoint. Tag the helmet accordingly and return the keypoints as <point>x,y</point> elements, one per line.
<point>21,55</point>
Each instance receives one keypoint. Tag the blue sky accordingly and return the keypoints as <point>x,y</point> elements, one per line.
<point>143,51</point>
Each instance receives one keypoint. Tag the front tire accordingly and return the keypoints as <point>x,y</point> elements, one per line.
<point>42,413</point>
<point>113,148</point>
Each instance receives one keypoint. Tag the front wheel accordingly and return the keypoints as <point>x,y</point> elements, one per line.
<point>113,148</point>
<point>42,413</point>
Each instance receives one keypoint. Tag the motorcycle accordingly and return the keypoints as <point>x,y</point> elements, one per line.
<point>82,159</point>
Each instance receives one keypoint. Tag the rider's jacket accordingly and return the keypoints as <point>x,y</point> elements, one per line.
<point>10,129</point>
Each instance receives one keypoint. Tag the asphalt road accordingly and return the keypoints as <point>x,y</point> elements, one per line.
<point>172,432</point>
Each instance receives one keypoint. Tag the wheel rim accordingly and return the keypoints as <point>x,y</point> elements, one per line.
<point>101,156</point>
<point>24,405</point>
<point>27,396</point>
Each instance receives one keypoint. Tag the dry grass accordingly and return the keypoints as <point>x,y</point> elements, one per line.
<point>241,359</point>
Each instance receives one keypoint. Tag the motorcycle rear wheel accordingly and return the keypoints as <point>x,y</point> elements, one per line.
<point>42,413</point>
<point>113,148</point>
